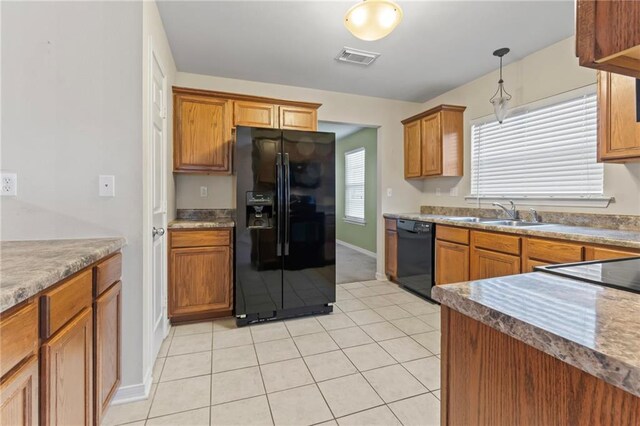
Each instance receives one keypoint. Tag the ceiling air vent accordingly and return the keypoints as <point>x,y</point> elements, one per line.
<point>356,56</point>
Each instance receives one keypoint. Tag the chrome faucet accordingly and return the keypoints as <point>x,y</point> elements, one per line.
<point>534,216</point>
<point>512,214</point>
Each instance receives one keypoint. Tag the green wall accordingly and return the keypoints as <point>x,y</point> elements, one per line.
<point>356,234</point>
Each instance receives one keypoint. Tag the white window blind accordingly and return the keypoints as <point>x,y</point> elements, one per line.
<point>539,152</point>
<point>354,185</point>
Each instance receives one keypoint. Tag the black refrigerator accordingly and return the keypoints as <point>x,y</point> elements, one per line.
<point>285,227</point>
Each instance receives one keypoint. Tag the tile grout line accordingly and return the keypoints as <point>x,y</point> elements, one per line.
<point>264,386</point>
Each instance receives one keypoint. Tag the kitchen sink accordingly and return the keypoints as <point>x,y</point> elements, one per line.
<point>515,223</point>
<point>471,219</point>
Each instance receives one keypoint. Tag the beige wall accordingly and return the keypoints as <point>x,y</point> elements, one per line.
<point>545,73</point>
<point>336,107</point>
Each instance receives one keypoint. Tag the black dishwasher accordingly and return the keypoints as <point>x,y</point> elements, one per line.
<point>416,242</point>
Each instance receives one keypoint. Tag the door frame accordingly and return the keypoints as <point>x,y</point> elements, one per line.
<point>148,357</point>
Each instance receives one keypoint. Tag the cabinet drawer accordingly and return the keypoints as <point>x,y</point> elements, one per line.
<point>454,235</point>
<point>64,302</point>
<point>391,224</point>
<point>553,251</point>
<point>18,336</point>
<point>502,243</point>
<point>200,238</point>
<point>107,272</point>
<point>601,253</point>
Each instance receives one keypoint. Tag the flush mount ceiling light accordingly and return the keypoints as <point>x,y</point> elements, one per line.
<point>372,19</point>
<point>501,98</point>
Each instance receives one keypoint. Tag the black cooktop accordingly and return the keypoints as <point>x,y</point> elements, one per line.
<point>623,274</point>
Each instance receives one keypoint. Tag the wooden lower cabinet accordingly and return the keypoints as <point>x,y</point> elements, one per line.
<point>452,262</point>
<point>107,348</point>
<point>540,252</point>
<point>391,253</point>
<point>490,378</point>
<point>66,374</point>
<point>200,278</point>
<point>19,395</point>
<point>601,253</point>
<point>490,264</point>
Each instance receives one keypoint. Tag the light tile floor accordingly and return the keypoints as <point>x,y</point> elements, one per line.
<point>374,361</point>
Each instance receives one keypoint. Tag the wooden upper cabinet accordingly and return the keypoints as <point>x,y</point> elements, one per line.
<point>412,150</point>
<point>298,118</point>
<point>431,145</point>
<point>66,372</point>
<point>255,114</point>
<point>434,142</point>
<point>618,128</point>
<point>202,139</point>
<point>608,35</point>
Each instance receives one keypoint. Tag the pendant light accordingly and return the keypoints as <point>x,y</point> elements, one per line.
<point>501,98</point>
<point>372,19</point>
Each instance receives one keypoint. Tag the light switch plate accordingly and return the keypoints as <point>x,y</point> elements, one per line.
<point>9,184</point>
<point>107,186</point>
<point>203,191</point>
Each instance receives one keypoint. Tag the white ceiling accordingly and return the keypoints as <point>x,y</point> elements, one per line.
<point>342,130</point>
<point>438,46</point>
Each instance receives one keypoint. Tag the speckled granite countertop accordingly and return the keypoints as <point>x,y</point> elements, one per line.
<point>593,328</point>
<point>28,267</point>
<point>192,224</point>
<point>630,239</point>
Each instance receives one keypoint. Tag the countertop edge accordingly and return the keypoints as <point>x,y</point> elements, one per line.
<point>533,231</point>
<point>590,361</point>
<point>17,295</point>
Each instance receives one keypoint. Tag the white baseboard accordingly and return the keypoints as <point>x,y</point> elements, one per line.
<point>381,277</point>
<point>133,393</point>
<point>356,248</point>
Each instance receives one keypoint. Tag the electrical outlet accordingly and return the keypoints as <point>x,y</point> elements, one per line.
<point>453,191</point>
<point>203,191</point>
<point>107,186</point>
<point>9,184</point>
<point>438,192</point>
<point>389,192</point>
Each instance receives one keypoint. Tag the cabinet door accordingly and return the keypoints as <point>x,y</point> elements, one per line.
<point>391,253</point>
<point>19,396</point>
<point>202,134</point>
<point>489,264</point>
<point>200,280</point>
<point>67,374</point>
<point>618,130</point>
<point>107,346</point>
<point>528,265</point>
<point>412,156</point>
<point>254,114</point>
<point>431,145</point>
<point>452,262</point>
<point>298,118</point>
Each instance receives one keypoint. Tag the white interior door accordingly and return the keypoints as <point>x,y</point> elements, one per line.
<point>159,205</point>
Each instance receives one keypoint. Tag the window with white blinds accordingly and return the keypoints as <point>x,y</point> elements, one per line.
<point>354,185</point>
<point>540,152</point>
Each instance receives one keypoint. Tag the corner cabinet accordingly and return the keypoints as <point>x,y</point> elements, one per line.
<point>200,274</point>
<point>434,143</point>
<point>618,128</point>
<point>608,35</point>
<point>204,125</point>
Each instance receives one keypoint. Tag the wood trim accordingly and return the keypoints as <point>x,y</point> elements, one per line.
<point>390,224</point>
<point>444,364</point>
<point>457,108</point>
<point>603,115</point>
<point>18,336</point>
<point>242,97</point>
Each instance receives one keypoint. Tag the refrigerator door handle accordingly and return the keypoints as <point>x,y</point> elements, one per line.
<point>280,199</point>
<point>287,196</point>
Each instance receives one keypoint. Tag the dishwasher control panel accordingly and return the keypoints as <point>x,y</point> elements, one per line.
<point>414,226</point>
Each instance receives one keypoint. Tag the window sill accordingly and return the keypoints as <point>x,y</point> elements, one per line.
<point>562,201</point>
<point>354,221</point>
